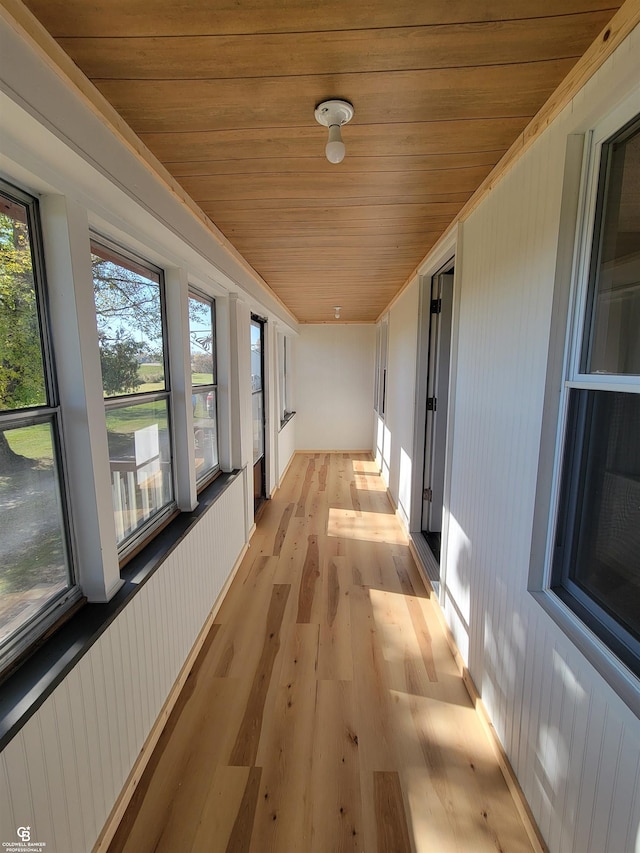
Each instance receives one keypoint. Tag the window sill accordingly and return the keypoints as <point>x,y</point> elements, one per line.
<point>618,676</point>
<point>28,687</point>
<point>286,419</point>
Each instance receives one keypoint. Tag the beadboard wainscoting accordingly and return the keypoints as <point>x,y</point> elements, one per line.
<point>63,772</point>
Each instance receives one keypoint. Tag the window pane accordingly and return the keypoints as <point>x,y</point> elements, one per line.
<point>205,432</point>
<point>129,317</point>
<point>256,357</point>
<point>140,457</point>
<point>258,431</point>
<point>201,342</point>
<point>613,338</point>
<point>33,558</point>
<point>22,380</point>
<point>602,473</point>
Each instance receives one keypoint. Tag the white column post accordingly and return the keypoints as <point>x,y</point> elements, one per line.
<point>225,386</point>
<point>73,318</point>
<point>240,398</point>
<point>272,405</point>
<point>177,302</point>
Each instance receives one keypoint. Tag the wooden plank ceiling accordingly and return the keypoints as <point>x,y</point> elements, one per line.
<point>223,93</point>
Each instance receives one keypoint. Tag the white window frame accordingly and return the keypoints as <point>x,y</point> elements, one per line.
<point>193,293</point>
<point>49,412</point>
<point>382,347</point>
<point>285,385</point>
<point>596,649</point>
<point>145,532</point>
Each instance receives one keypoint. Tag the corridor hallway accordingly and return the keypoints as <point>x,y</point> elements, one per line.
<point>325,711</point>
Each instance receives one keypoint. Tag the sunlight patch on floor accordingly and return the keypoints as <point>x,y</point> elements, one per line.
<point>368,483</point>
<point>368,466</point>
<point>366,526</point>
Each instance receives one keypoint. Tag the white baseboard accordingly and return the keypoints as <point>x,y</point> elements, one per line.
<point>338,450</point>
<point>284,474</point>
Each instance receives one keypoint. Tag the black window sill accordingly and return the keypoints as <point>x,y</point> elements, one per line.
<point>25,690</point>
<point>286,419</point>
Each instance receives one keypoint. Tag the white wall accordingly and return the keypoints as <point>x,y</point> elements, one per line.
<point>286,446</point>
<point>574,744</point>
<point>397,431</point>
<point>333,386</point>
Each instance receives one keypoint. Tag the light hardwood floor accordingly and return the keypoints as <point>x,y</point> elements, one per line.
<point>325,711</point>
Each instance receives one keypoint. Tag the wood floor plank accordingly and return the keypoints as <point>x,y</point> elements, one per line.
<point>170,813</point>
<point>282,529</point>
<point>393,835</point>
<point>246,744</point>
<point>423,635</point>
<point>375,731</point>
<point>242,621</point>
<point>240,837</point>
<point>325,712</point>
<point>306,486</point>
<point>299,655</point>
<point>336,810</point>
<point>291,559</point>
<point>323,472</point>
<point>355,499</point>
<point>226,799</point>
<point>309,581</point>
<point>375,565</point>
<point>284,808</point>
<point>335,659</point>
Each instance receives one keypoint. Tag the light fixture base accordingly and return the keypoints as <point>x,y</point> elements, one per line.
<point>334,112</point>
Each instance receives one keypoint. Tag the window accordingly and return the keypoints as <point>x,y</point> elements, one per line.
<point>36,574</point>
<point>284,379</point>
<point>129,300</point>
<point>204,398</point>
<point>380,391</point>
<point>596,555</point>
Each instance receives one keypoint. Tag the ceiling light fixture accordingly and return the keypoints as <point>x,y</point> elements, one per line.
<point>333,114</point>
<point>337,310</point>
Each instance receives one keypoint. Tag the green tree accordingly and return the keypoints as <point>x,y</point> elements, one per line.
<point>21,367</point>
<point>119,361</point>
<point>201,362</point>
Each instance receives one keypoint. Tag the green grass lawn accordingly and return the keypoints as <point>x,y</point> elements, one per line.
<point>33,442</point>
<point>150,386</point>
<point>201,379</point>
<point>150,374</point>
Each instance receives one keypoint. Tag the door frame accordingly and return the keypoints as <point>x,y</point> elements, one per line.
<point>449,250</point>
<point>259,501</point>
<point>438,377</point>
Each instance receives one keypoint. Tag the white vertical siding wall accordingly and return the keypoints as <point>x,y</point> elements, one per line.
<point>64,770</point>
<point>573,743</point>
